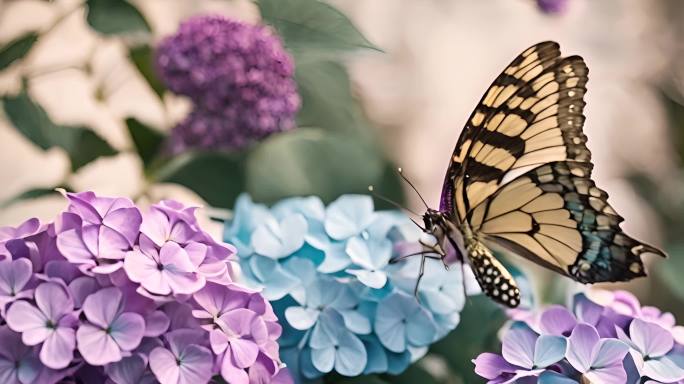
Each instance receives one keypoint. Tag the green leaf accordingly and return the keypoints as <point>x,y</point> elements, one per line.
<point>17,49</point>
<point>32,193</point>
<point>311,162</point>
<point>115,17</point>
<point>147,140</point>
<point>327,101</point>
<point>312,27</point>
<point>216,177</point>
<point>142,57</point>
<point>80,143</point>
<point>471,337</point>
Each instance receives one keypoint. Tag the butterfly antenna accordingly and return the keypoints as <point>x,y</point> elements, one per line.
<point>371,189</point>
<point>401,174</point>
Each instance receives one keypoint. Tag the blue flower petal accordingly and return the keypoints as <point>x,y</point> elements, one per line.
<point>373,279</point>
<point>306,365</point>
<point>336,259</point>
<point>280,239</point>
<point>301,318</point>
<point>326,331</point>
<point>350,357</point>
<point>549,349</point>
<point>369,254</point>
<point>246,218</point>
<point>398,362</point>
<point>551,377</point>
<point>518,345</point>
<point>323,359</point>
<point>348,216</point>
<point>310,207</point>
<point>356,322</point>
<point>420,328</point>
<point>377,358</point>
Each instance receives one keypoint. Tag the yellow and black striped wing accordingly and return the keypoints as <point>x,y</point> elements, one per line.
<point>531,115</point>
<point>556,216</point>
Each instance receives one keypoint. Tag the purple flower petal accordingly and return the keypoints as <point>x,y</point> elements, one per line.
<point>244,352</point>
<point>518,346</point>
<point>174,258</point>
<point>181,338</point>
<point>490,365</point>
<point>612,374</point>
<point>164,366</point>
<point>196,365</point>
<point>651,339</point>
<point>610,352</point>
<point>127,330</point>
<point>58,349</point>
<point>582,347</point>
<point>14,274</point>
<point>231,372</point>
<point>549,350</point>
<point>102,307</point>
<point>96,346</point>
<point>156,323</point>
<point>557,321</point>
<point>126,222</point>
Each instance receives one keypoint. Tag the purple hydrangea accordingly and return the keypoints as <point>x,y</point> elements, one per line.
<point>607,337</point>
<point>553,6</point>
<point>239,77</point>
<point>110,294</point>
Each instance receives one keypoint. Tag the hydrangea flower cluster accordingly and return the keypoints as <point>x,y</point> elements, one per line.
<point>239,77</point>
<point>343,305</point>
<point>108,293</point>
<point>606,337</point>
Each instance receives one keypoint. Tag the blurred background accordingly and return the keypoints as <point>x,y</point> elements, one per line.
<point>394,91</point>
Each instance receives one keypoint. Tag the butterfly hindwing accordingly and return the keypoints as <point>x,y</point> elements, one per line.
<point>532,114</point>
<point>557,217</point>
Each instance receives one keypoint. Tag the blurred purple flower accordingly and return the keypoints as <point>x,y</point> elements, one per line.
<point>14,277</point>
<point>50,322</point>
<point>96,232</point>
<point>238,75</point>
<point>185,361</point>
<point>553,6</point>
<point>109,331</point>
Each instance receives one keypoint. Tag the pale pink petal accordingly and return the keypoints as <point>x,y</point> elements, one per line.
<point>181,338</point>
<point>156,323</point>
<point>103,306</point>
<point>218,340</point>
<point>96,347</point>
<point>197,252</point>
<point>231,373</point>
<point>72,247</point>
<point>163,365</point>
<point>127,330</point>
<point>111,244</point>
<point>239,321</point>
<point>58,350</point>
<point>81,203</point>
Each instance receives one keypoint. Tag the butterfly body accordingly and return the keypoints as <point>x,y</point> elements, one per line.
<point>520,178</point>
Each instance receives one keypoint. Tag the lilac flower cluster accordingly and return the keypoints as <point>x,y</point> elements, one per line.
<point>239,77</point>
<point>107,293</point>
<point>607,337</point>
<point>343,306</point>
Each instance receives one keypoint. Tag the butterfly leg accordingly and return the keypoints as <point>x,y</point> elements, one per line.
<point>426,254</point>
<point>420,276</point>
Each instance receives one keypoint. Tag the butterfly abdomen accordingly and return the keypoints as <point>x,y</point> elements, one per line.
<point>495,281</point>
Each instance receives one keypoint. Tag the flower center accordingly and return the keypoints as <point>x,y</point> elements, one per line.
<point>49,324</point>
<point>160,267</point>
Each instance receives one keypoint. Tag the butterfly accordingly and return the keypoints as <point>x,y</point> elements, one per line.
<point>520,178</point>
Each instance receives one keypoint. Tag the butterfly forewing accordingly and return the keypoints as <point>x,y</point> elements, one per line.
<point>556,216</point>
<point>531,115</point>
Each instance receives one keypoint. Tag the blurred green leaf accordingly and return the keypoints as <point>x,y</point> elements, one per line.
<point>670,270</point>
<point>327,101</point>
<point>81,144</point>
<point>312,27</point>
<point>413,374</point>
<point>32,193</point>
<point>481,320</point>
<point>17,49</point>
<point>147,140</point>
<point>311,162</point>
<point>216,177</point>
<point>368,379</point>
<point>675,111</point>
<point>142,57</point>
<point>115,17</point>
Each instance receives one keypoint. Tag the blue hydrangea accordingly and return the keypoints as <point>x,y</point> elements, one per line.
<point>343,306</point>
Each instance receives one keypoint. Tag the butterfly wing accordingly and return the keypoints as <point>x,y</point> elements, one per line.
<point>530,115</point>
<point>556,216</point>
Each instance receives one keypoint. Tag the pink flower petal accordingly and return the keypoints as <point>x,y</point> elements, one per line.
<point>125,221</point>
<point>244,352</point>
<point>196,365</point>
<point>58,350</point>
<point>71,245</point>
<point>239,321</point>
<point>14,274</point>
<point>582,345</point>
<point>25,318</point>
<point>111,244</point>
<point>96,347</point>
<point>231,373</point>
<point>174,258</point>
<point>156,227</point>
<point>651,339</point>
<point>156,323</point>
<point>184,283</point>
<point>181,338</point>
